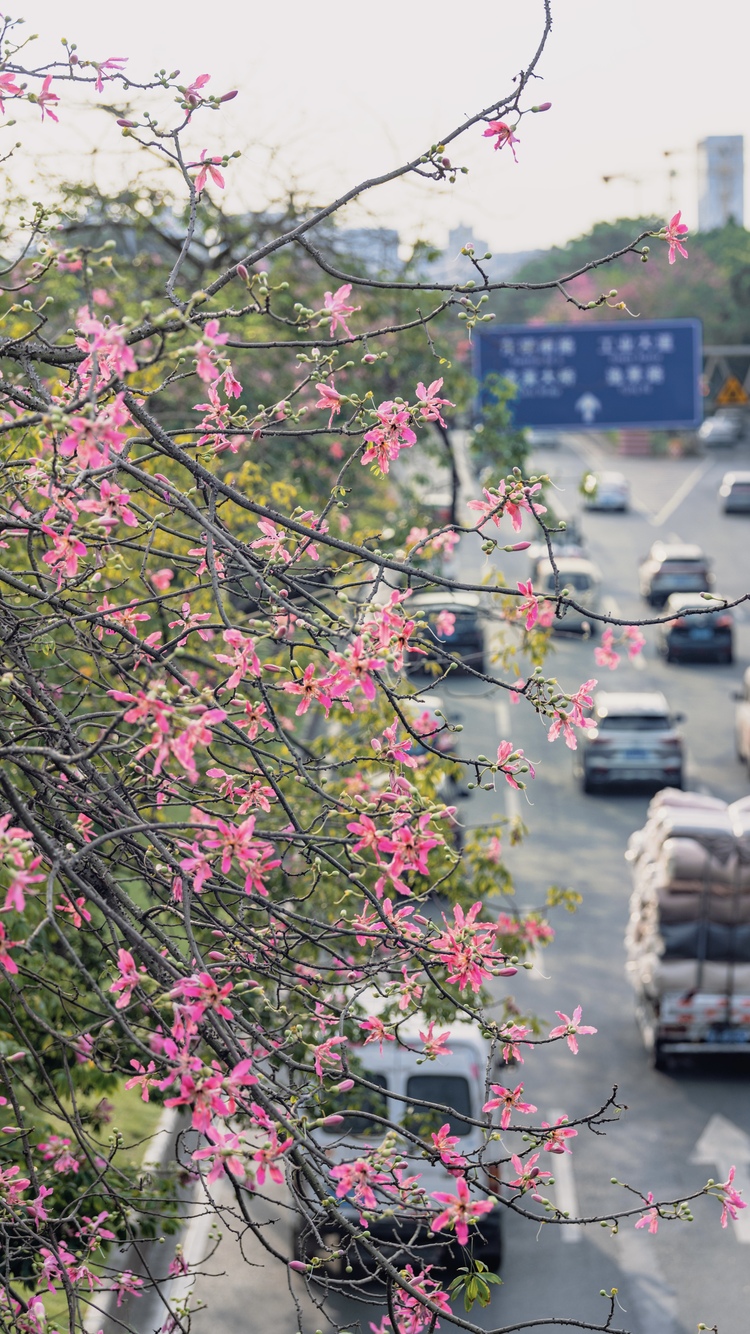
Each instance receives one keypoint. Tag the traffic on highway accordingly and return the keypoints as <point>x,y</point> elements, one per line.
<point>670,718</point>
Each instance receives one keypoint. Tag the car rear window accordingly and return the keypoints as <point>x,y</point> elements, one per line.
<point>578,580</point>
<point>741,488</point>
<point>633,722</point>
<point>368,1103</point>
<point>448,1090</point>
<point>678,566</point>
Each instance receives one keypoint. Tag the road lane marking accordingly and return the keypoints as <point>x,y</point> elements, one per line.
<point>654,1299</point>
<point>566,1198</point>
<point>512,795</point>
<point>682,492</point>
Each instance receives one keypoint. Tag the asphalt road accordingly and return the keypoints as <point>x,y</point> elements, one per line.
<point>688,1272</point>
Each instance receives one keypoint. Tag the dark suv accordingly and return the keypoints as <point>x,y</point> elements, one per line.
<point>708,637</point>
<point>673,568</point>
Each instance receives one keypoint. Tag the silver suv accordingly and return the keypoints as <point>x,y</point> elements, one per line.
<point>635,740</point>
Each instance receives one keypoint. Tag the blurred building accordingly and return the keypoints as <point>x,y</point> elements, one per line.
<point>721,168</point>
<point>454,267</point>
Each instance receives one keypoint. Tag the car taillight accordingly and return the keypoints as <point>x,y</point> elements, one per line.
<point>601,740</point>
<point>679,621</point>
<point>671,741</point>
<point>723,622</point>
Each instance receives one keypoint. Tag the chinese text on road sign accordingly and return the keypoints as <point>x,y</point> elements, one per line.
<point>644,373</point>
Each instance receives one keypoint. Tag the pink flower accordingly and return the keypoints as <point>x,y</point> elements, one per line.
<point>444,1142</point>
<point>330,398</point>
<point>569,1028</point>
<point>326,1057</point>
<point>208,167</point>
<point>731,1198</point>
<point>460,1211</point>
<point>359,1177</point>
<point>20,882</point>
<point>511,762</point>
<point>558,1133</point>
<point>142,1078</point>
<point>309,689</point>
<point>337,308</point>
<point>161,579</point>
<point>36,1206</point>
<point>530,605</point>
<point>605,655</point>
<point>46,96</point>
<point>273,538</point>
<point>114,63</point>
<point>354,668</point>
<point>529,1175</point>
<point>510,1101</point>
<point>636,641</point>
<point>8,86</point>
<point>429,404</point>
<point>244,660</point>
<point>674,231</point>
<point>127,980</point>
<point>376,1031</point>
<point>434,1043</point>
<point>193,94</point>
<point>503,134</point>
<point>445,623</point>
<point>387,439</point>
<point>65,554</point>
<point>650,1219</point>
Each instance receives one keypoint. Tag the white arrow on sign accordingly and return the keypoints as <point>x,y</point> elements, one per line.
<point>723,1145</point>
<point>588,405</point>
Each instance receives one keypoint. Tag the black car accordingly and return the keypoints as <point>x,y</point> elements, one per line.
<point>452,626</point>
<point>673,568</point>
<point>705,638</point>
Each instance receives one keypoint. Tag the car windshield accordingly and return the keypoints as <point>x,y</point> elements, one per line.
<point>448,1090</point>
<point>368,1103</point>
<point>633,722</point>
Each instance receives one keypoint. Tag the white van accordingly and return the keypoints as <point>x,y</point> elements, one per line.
<point>456,1083</point>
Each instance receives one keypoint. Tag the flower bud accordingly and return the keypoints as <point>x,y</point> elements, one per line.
<point>345,1086</point>
<point>298,1266</point>
<point>127,124</point>
<point>330,1121</point>
<point>229,96</point>
<point>242,272</point>
<point>543,106</point>
<point>517,546</point>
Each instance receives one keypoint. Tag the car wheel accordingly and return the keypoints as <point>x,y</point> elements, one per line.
<point>669,655</point>
<point>588,784</point>
<point>677,781</point>
<point>728,657</point>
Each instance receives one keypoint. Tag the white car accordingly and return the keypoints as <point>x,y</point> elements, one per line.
<point>734,492</point>
<point>634,740</point>
<point>402,1081</point>
<point>606,491</point>
<point>583,579</point>
<point>720,430</point>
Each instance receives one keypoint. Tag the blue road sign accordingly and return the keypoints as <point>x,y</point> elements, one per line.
<point>597,376</point>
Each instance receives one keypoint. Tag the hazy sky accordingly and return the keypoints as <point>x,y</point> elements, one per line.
<point>344,89</point>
